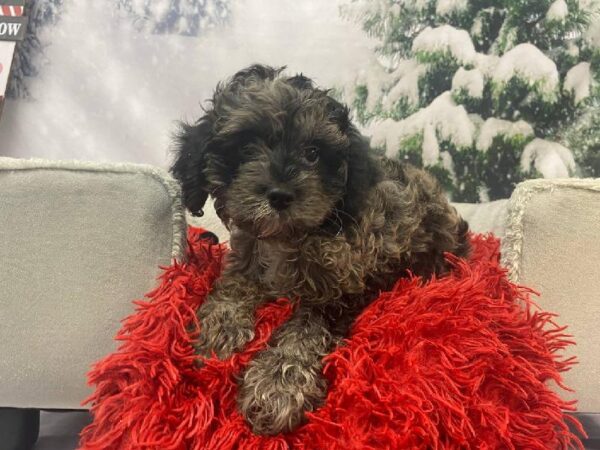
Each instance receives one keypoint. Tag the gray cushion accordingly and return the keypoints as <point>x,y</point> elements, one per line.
<point>78,242</point>
<point>552,245</point>
<point>484,217</point>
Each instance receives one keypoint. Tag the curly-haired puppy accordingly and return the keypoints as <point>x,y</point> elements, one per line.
<point>316,216</point>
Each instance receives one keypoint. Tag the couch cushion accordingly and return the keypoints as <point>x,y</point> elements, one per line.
<point>487,217</point>
<point>552,244</point>
<point>78,242</point>
<point>482,217</point>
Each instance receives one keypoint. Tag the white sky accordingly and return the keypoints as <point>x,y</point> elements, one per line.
<point>113,94</point>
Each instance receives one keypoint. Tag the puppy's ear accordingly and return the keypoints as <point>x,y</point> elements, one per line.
<point>339,114</point>
<point>190,163</point>
<point>363,173</point>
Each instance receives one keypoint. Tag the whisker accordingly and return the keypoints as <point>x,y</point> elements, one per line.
<point>339,211</point>
<point>335,222</point>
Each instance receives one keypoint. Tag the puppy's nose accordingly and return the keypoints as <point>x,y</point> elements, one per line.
<point>280,198</point>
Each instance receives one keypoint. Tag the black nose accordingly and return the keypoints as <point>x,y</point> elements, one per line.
<point>280,198</point>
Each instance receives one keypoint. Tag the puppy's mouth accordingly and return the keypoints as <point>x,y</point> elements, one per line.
<point>266,224</point>
<point>275,225</point>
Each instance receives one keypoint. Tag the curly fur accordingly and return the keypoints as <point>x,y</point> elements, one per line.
<point>352,223</point>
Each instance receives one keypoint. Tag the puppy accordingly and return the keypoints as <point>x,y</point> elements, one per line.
<point>315,216</point>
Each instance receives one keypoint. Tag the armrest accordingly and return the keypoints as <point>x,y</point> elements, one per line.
<point>552,244</point>
<point>78,242</point>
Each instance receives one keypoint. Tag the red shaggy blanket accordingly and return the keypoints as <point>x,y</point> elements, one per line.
<point>456,363</point>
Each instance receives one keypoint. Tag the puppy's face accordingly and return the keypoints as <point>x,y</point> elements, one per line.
<point>292,159</point>
<point>274,152</point>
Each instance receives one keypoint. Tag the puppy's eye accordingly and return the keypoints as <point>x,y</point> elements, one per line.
<point>310,154</point>
<point>247,152</point>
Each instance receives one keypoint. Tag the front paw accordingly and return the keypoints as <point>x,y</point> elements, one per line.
<point>224,329</point>
<point>277,390</point>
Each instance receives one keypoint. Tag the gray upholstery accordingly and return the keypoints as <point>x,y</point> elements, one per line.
<point>78,242</point>
<point>482,217</point>
<point>552,244</point>
<point>485,217</point>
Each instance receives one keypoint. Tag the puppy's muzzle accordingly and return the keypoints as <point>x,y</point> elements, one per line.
<point>279,198</point>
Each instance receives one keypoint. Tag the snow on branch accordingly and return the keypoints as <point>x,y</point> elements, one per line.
<point>497,127</point>
<point>549,158</point>
<point>449,121</point>
<point>578,81</point>
<point>449,7</point>
<point>528,63</point>
<point>405,83</point>
<point>471,81</point>
<point>558,11</point>
<point>445,39</point>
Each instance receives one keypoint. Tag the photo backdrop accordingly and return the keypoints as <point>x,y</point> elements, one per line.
<point>107,80</point>
<point>482,93</point>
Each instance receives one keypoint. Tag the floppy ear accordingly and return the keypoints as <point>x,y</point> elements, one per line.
<point>190,163</point>
<point>363,173</point>
<point>339,114</point>
<point>197,171</point>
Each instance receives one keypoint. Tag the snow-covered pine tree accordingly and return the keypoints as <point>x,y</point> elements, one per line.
<point>29,53</point>
<point>482,93</point>
<point>184,17</point>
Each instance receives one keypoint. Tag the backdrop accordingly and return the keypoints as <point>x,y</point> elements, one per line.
<point>109,79</point>
<point>483,94</point>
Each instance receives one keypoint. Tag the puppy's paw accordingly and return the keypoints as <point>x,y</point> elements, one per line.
<point>277,390</point>
<point>224,329</point>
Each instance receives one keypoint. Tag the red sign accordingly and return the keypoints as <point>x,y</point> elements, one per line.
<point>11,10</point>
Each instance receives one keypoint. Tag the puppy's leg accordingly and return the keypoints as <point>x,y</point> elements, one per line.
<point>227,316</point>
<point>285,381</point>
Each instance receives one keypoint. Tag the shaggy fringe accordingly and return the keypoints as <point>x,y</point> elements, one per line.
<point>512,243</point>
<point>460,362</point>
